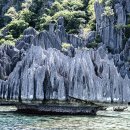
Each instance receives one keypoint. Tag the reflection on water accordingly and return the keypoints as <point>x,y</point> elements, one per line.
<point>105,120</point>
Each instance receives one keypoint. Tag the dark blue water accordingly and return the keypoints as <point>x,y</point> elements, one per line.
<point>107,120</point>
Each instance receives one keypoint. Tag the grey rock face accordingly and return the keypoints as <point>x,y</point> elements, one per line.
<point>70,51</point>
<point>90,37</point>
<point>107,21</point>
<point>47,40</point>
<point>39,69</point>
<point>51,28</point>
<point>76,41</point>
<point>61,21</point>
<point>30,31</point>
<point>111,29</point>
<point>28,36</point>
<point>54,38</point>
<point>127,6</point>
<point>121,14</point>
<point>98,11</point>
<point>123,60</point>
<point>49,74</point>
<point>105,26</point>
<point>9,56</point>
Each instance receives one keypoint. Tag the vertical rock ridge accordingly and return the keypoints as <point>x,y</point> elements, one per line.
<point>49,74</point>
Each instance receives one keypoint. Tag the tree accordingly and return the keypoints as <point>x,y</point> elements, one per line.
<point>16,28</point>
<point>12,13</point>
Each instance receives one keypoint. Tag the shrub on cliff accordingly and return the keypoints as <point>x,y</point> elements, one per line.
<point>56,7</point>
<point>16,28</point>
<point>9,42</point>
<point>73,11</point>
<point>12,13</point>
<point>27,16</point>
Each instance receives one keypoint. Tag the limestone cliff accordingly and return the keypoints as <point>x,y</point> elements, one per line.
<point>112,22</point>
<point>49,74</point>
<point>38,68</point>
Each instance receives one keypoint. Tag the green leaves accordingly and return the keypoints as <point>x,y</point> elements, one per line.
<point>12,13</point>
<point>73,12</point>
<point>16,27</point>
<point>78,14</point>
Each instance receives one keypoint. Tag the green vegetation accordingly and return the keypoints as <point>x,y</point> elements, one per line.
<point>78,14</point>
<point>12,13</point>
<point>92,44</point>
<point>73,11</point>
<point>108,7</point>
<point>17,18</point>
<point>125,29</point>
<point>106,2</point>
<point>91,15</point>
<point>108,11</point>
<point>16,27</point>
<point>66,45</point>
<point>95,43</point>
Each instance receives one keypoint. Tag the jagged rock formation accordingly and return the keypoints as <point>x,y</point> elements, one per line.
<point>9,56</point>
<point>49,74</point>
<point>112,22</point>
<point>43,71</point>
<point>54,38</point>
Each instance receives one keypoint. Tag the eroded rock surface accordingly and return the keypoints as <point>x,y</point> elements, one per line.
<point>112,23</point>
<point>49,74</point>
<point>38,68</point>
<point>9,56</point>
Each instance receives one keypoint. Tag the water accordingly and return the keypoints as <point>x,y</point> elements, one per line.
<point>107,120</point>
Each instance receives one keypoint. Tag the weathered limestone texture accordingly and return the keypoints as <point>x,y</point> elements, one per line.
<point>49,74</point>
<point>38,68</point>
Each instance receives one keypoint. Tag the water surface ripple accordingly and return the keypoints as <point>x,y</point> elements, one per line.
<point>105,120</point>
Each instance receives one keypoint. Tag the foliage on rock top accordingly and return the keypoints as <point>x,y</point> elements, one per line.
<point>78,15</point>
